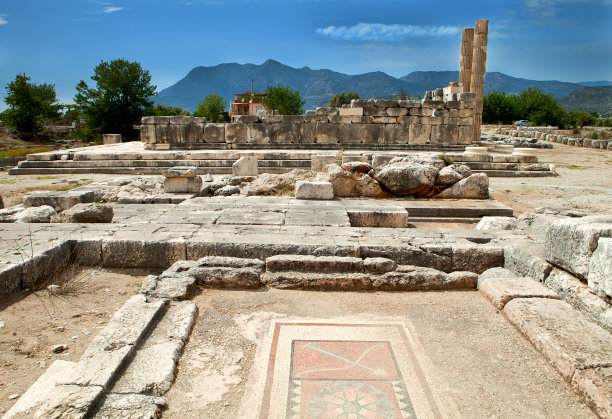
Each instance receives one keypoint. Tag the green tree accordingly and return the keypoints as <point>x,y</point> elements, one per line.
<point>283,99</point>
<point>212,108</point>
<point>540,108</point>
<point>30,105</point>
<point>497,108</point>
<point>163,110</point>
<point>342,98</point>
<point>122,94</point>
<point>581,118</point>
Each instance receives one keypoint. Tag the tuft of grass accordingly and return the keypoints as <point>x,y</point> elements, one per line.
<point>577,167</point>
<point>45,177</point>
<point>447,160</point>
<point>24,151</point>
<point>339,156</point>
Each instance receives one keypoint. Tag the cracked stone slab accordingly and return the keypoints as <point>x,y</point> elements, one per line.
<point>316,280</point>
<point>130,406</point>
<point>595,386</point>
<point>307,263</point>
<point>152,370</point>
<point>414,278</point>
<point>108,351</point>
<point>173,286</point>
<point>501,286</point>
<point>32,398</point>
<point>68,401</point>
<point>523,262</point>
<point>561,333</point>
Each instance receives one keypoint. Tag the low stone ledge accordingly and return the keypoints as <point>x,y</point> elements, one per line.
<point>500,286</point>
<point>595,386</point>
<point>112,347</point>
<point>314,190</point>
<point>416,278</point>
<point>570,242</point>
<point>391,217</point>
<point>316,280</point>
<point>59,200</point>
<point>120,406</point>
<point>524,263</point>
<point>561,333</point>
<point>476,259</point>
<point>306,263</point>
<point>142,253</point>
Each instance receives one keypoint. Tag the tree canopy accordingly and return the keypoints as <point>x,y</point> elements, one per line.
<point>30,105</point>
<point>163,110</point>
<point>212,108</point>
<point>122,94</point>
<point>283,99</point>
<point>342,98</point>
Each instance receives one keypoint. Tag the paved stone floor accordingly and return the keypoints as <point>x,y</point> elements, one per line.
<point>280,353</point>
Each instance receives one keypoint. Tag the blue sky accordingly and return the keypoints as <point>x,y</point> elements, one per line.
<point>61,41</point>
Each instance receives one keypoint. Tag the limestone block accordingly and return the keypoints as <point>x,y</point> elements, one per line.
<point>475,186</point>
<point>147,120</point>
<point>162,120</point>
<point>417,278</point>
<point>177,134</point>
<point>256,134</point>
<point>199,120</point>
<point>245,166</point>
<point>307,133</point>
<point>161,133</point>
<point>314,118</point>
<point>147,133</point>
<point>381,160</point>
<point>138,253</point>
<point>350,111</point>
<point>525,263</point>
<point>326,111</point>
<point>111,138</point>
<point>322,281</point>
<point>475,258</point>
<point>432,120</point>
<point>213,133</point>
<point>419,134</point>
<point>310,263</point>
<point>500,287</point>
<point>194,133</point>
<point>182,184</point>
<point>181,171</point>
<point>443,134</point>
<point>374,111</point>
<point>379,265</point>
<point>85,213</point>
<point>181,120</point>
<point>563,335</point>
<point>397,112</point>
<point>372,133</point>
<point>497,223</point>
<point>600,269</point>
<point>247,119</point>
<point>65,401</point>
<point>396,133</point>
<point>285,133</point>
<point>350,133</point>
<point>314,190</point>
<point>390,217</point>
<point>571,242</point>
<point>120,406</point>
<point>326,133</point>
<point>385,120</point>
<point>409,120</point>
<point>595,386</point>
<point>292,119</point>
<point>318,162</point>
<point>40,214</point>
<point>10,278</point>
<point>59,200</point>
<point>408,104</point>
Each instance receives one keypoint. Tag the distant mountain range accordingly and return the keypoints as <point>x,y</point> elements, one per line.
<point>592,99</point>
<point>317,86</point>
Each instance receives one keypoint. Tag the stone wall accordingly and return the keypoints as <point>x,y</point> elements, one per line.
<point>437,120</point>
<point>556,138</point>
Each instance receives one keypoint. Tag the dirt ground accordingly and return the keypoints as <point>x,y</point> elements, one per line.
<point>490,369</point>
<point>584,182</point>
<point>32,323</point>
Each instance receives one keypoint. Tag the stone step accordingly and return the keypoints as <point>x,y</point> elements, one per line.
<point>517,173</point>
<point>264,163</point>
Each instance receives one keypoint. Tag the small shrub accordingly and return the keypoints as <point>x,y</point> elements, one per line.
<point>339,156</point>
<point>594,135</point>
<point>447,160</point>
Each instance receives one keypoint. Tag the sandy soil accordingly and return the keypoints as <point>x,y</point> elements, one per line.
<point>584,182</point>
<point>14,188</point>
<point>491,370</point>
<point>32,323</point>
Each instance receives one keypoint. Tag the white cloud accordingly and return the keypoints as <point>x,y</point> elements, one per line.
<point>550,8</point>
<point>3,21</point>
<point>111,9</point>
<point>382,32</point>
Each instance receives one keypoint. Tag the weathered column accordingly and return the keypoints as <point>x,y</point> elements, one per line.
<point>479,62</point>
<point>465,64</point>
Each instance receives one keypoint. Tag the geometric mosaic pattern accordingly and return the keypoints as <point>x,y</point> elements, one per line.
<point>337,370</point>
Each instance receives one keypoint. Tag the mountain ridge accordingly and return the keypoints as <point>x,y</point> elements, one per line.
<point>317,86</point>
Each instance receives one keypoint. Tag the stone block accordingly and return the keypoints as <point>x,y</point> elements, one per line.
<point>570,242</point>
<point>374,111</point>
<point>271,119</point>
<point>385,120</point>
<point>40,214</point>
<point>595,386</point>
<point>120,406</point>
<point>111,139</point>
<point>417,278</point>
<point>408,120</point>
<point>562,334</point>
<point>64,401</point>
<point>245,166</point>
<point>85,213</point>
<point>476,258</point>
<point>381,159</point>
<point>182,185</point>
<point>314,190</point>
<point>161,134</point>
<point>181,120</point>
<point>600,269</point>
<point>247,119</point>
<point>181,171</point>
<point>419,134</point>
<point>372,133</point>
<point>496,223</point>
<point>397,134</point>
<point>443,134</point>
<point>147,133</point>
<point>285,133</point>
<point>320,281</point>
<point>525,263</point>
<point>10,278</point>
<point>138,253</point>
<point>194,133</point>
<point>319,162</point>
<point>465,134</point>
<point>213,133</point>
<point>256,134</point>
<point>292,119</point>
<point>390,217</point>
<point>311,264</point>
<point>379,265</point>
<point>350,111</point>
<point>58,200</point>
<point>147,120</point>
<point>326,133</point>
<point>397,112</point>
<point>501,286</point>
<point>199,120</point>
